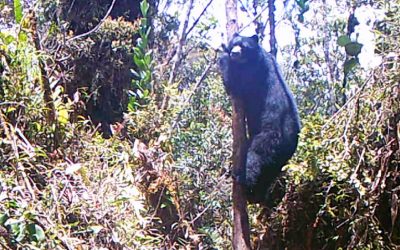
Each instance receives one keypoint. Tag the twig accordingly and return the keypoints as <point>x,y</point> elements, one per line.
<point>210,197</point>
<point>63,243</point>
<point>10,135</point>
<point>348,101</point>
<point>70,7</point>
<point>97,26</point>
<point>253,20</point>
<point>182,39</point>
<point>198,18</point>
<point>12,103</point>
<point>178,56</point>
<point>249,14</point>
<point>158,203</point>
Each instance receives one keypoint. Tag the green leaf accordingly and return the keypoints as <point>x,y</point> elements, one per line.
<point>145,42</point>
<point>349,65</point>
<point>10,109</point>
<point>143,24</point>
<point>148,32</point>
<point>147,59</point>
<point>20,232</point>
<point>132,104</point>
<point>9,39</point>
<point>139,62</point>
<point>17,11</point>
<point>144,7</point>
<point>22,37</point>
<point>353,48</point>
<point>343,40</point>
<point>36,232</point>
<point>137,52</point>
<point>139,43</point>
<point>63,116</point>
<point>3,218</point>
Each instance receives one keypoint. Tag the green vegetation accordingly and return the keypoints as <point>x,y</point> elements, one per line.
<point>100,149</point>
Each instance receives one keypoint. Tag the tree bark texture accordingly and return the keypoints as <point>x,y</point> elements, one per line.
<point>271,17</point>
<point>241,229</point>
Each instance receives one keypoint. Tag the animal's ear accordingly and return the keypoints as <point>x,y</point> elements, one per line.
<point>254,38</point>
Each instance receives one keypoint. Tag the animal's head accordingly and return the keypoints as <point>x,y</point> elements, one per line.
<point>242,49</point>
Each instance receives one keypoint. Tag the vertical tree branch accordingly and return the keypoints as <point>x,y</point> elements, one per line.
<point>51,114</point>
<point>330,65</point>
<point>179,51</point>
<point>241,229</point>
<point>271,17</point>
<point>182,40</point>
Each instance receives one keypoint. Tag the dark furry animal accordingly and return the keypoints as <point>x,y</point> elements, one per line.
<point>250,73</point>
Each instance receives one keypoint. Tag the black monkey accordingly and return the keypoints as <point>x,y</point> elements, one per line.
<point>250,73</point>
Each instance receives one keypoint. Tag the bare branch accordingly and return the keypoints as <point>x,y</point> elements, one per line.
<point>97,26</point>
<point>249,14</point>
<point>272,37</point>
<point>254,19</point>
<point>182,40</point>
<point>198,18</point>
<point>178,56</point>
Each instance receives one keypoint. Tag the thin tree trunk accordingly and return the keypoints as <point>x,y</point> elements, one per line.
<point>271,17</point>
<point>179,52</point>
<point>51,114</point>
<point>331,76</point>
<point>241,229</point>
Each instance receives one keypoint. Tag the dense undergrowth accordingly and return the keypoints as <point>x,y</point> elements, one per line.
<point>346,170</point>
<point>162,178</point>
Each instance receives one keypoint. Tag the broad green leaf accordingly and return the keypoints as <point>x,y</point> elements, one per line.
<point>63,116</point>
<point>343,40</point>
<point>10,109</point>
<point>145,42</point>
<point>349,65</point>
<point>17,11</point>
<point>148,32</point>
<point>139,62</point>
<point>36,232</point>
<point>3,218</point>
<point>353,48</point>
<point>132,104</point>
<point>9,39</point>
<point>147,59</point>
<point>20,232</point>
<point>144,7</point>
<point>137,51</point>
<point>22,37</point>
<point>143,24</point>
